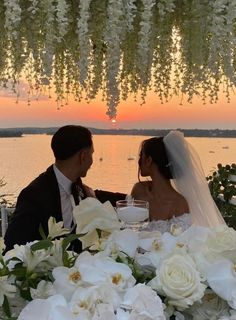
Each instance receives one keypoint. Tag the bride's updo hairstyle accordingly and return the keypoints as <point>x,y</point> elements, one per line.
<point>155,148</point>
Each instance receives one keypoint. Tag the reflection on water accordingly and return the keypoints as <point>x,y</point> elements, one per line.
<point>23,159</point>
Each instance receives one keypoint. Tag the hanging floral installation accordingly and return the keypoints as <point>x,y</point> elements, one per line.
<point>119,47</point>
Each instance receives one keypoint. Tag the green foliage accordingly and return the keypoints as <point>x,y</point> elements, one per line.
<point>223,189</point>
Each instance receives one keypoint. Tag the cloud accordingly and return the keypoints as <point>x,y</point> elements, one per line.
<point>22,91</point>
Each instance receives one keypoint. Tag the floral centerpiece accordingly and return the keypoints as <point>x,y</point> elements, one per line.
<point>121,274</point>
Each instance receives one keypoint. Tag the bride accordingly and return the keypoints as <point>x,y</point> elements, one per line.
<point>187,202</point>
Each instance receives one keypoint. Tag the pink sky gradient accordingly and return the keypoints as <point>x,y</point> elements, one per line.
<point>131,114</point>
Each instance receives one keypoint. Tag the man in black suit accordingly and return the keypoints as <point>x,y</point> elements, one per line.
<point>58,189</point>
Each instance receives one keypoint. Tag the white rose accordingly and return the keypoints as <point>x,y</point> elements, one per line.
<point>179,281</point>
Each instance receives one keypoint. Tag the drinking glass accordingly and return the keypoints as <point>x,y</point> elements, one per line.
<point>133,214</point>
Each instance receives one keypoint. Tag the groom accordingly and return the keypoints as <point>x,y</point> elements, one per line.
<point>56,191</point>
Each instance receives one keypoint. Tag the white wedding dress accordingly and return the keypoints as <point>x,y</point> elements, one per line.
<point>182,223</point>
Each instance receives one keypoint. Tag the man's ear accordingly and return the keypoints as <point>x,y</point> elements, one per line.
<point>149,161</point>
<point>81,156</point>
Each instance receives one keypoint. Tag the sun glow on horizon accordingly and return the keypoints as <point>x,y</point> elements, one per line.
<point>131,114</point>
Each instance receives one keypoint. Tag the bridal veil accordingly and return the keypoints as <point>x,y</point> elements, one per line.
<point>190,180</point>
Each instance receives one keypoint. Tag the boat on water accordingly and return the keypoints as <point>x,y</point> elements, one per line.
<point>225,147</point>
<point>131,158</point>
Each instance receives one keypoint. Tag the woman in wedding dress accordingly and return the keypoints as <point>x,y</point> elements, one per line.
<point>178,192</point>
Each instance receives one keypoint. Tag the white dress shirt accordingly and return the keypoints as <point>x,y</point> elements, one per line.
<point>67,200</point>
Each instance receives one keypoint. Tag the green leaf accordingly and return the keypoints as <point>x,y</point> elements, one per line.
<point>19,272</point>
<point>41,232</point>
<point>68,239</point>
<point>25,294</point>
<point>42,244</point>
<point>6,307</point>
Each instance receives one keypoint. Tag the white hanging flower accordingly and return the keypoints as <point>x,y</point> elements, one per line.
<point>12,17</point>
<point>165,6</point>
<point>144,48</point>
<point>62,19</point>
<point>83,38</point>
<point>131,10</point>
<point>113,36</point>
<point>33,8</point>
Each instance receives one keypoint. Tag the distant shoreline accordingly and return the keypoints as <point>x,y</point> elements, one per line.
<point>214,133</point>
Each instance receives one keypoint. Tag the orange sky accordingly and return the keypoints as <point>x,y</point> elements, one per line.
<point>153,114</point>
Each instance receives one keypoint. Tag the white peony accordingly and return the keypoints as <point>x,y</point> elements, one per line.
<point>53,308</point>
<point>89,299</point>
<point>222,242</point>
<point>104,311</point>
<point>143,303</point>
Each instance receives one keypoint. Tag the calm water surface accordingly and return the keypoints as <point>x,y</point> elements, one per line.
<point>23,159</point>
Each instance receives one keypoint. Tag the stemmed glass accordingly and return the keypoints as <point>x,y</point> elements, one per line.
<point>133,214</point>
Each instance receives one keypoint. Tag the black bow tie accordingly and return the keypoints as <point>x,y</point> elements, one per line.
<point>77,192</point>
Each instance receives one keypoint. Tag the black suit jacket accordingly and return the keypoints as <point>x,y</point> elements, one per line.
<point>36,204</point>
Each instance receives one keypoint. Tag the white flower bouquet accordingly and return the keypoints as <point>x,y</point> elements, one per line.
<point>121,274</point>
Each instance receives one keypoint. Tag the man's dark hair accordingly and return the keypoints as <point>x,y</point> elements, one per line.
<point>70,139</point>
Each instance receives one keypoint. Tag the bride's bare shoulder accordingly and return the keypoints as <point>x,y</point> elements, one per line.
<point>139,188</point>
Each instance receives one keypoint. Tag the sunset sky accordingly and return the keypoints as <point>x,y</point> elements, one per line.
<point>131,114</point>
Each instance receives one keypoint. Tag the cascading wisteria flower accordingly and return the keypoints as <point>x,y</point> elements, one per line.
<point>118,48</point>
